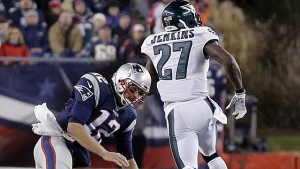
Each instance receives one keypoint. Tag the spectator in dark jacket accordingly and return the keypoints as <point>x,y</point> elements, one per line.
<point>113,13</point>
<point>82,14</point>
<point>35,34</point>
<point>102,48</point>
<point>7,5</point>
<point>54,10</point>
<point>2,9</point>
<point>122,31</point>
<point>130,50</point>
<point>84,18</point>
<point>96,6</point>
<point>17,14</point>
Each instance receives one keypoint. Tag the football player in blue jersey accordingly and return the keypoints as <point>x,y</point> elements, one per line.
<point>178,63</point>
<point>96,109</point>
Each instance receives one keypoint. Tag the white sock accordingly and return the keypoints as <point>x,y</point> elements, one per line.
<point>217,163</point>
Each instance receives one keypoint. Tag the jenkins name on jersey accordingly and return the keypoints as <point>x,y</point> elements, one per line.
<point>180,62</point>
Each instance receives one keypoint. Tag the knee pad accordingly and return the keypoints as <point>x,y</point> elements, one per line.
<point>211,157</point>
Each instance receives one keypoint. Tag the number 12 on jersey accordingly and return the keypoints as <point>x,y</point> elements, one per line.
<point>165,51</point>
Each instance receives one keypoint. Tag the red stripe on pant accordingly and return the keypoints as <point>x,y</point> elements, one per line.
<point>49,152</point>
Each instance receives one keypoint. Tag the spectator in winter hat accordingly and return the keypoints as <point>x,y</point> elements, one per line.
<point>35,34</point>
<point>16,15</point>
<point>99,20</point>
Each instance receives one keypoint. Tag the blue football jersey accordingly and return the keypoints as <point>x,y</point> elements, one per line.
<point>93,105</point>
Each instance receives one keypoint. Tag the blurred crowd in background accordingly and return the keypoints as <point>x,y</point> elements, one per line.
<point>102,29</point>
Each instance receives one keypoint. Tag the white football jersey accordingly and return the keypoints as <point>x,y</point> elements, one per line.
<point>180,63</point>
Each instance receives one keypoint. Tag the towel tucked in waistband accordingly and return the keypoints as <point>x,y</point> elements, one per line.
<point>47,124</point>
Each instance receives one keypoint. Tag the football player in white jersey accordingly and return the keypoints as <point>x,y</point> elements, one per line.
<point>178,63</point>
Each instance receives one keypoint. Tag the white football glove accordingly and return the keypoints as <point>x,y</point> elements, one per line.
<point>238,103</point>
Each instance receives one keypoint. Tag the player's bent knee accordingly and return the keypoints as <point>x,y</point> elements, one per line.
<point>211,157</point>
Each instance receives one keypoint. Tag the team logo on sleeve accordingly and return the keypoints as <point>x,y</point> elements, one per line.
<point>84,92</point>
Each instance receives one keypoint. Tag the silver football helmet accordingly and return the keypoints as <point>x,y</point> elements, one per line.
<point>132,74</point>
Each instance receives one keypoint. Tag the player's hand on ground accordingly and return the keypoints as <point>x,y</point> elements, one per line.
<point>117,158</point>
<point>238,103</point>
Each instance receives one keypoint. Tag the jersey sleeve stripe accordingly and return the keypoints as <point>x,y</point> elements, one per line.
<point>95,86</point>
<point>131,126</point>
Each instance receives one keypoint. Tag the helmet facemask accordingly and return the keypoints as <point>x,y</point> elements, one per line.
<point>128,95</point>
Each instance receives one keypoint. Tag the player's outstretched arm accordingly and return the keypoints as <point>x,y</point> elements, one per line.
<point>234,75</point>
<point>232,69</point>
<point>78,132</point>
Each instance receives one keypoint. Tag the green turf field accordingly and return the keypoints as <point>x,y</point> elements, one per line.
<point>284,143</point>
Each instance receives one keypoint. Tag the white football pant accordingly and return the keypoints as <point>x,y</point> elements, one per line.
<point>52,153</point>
<point>191,129</point>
